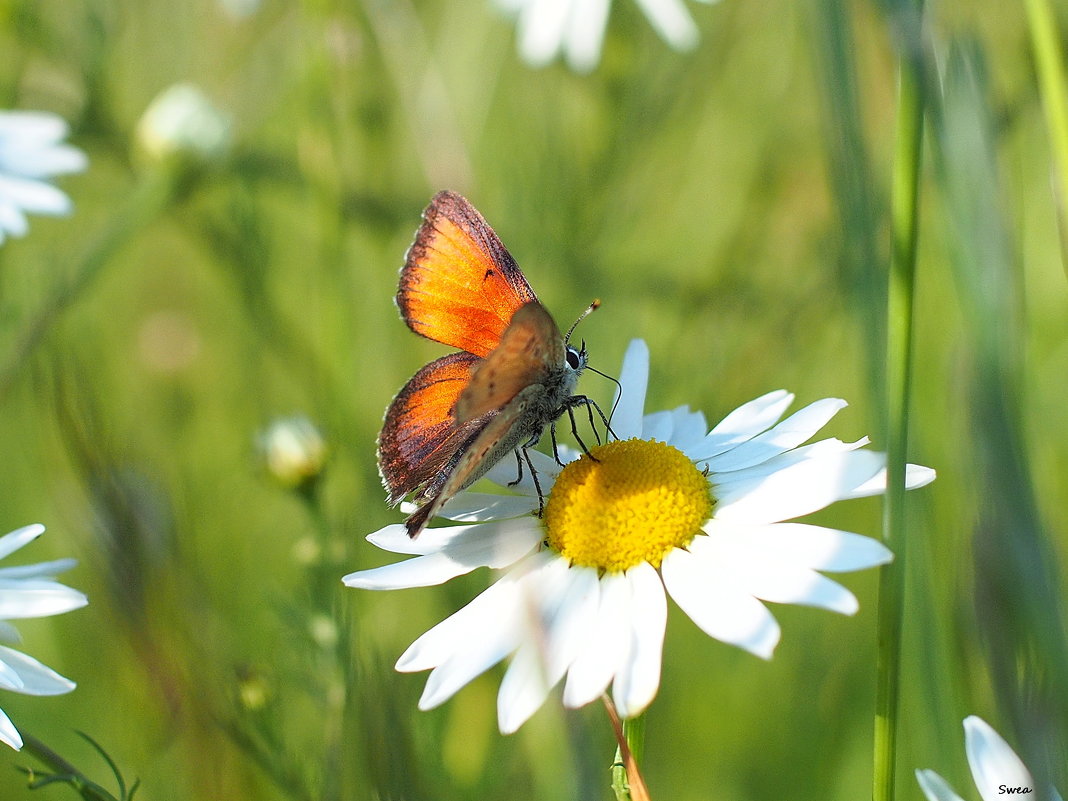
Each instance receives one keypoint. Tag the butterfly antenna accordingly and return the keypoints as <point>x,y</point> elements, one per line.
<point>615,381</point>
<point>582,317</point>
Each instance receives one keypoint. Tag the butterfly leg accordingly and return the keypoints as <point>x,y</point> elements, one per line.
<point>590,405</point>
<point>534,476</point>
<point>556,446</point>
<point>519,464</point>
<point>574,428</point>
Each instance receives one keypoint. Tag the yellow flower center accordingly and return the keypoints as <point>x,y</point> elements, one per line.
<point>636,502</point>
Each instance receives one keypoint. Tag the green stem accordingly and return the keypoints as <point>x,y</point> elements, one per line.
<point>1049,62</point>
<point>634,735</point>
<point>904,211</point>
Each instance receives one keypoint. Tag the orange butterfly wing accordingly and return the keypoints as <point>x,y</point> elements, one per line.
<point>459,285</point>
<point>420,440</point>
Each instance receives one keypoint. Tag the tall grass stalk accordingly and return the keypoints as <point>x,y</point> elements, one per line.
<point>904,220</point>
<point>1049,64</point>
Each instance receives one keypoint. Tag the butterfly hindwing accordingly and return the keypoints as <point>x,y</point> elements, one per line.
<point>420,435</point>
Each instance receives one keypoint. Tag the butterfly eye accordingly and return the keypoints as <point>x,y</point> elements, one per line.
<point>574,359</point>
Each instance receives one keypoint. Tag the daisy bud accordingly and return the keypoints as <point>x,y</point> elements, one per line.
<point>294,452</point>
<point>182,125</point>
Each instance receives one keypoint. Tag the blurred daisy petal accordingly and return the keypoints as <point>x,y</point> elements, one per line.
<point>992,761</point>
<point>8,733</point>
<point>672,21</point>
<point>935,787</point>
<point>30,154</point>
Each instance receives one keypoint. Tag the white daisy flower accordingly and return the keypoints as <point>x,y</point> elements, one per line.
<point>30,591</point>
<point>575,28</point>
<point>31,151</point>
<point>669,509</point>
<point>996,769</point>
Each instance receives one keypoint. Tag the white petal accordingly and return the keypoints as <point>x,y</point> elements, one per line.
<point>802,544</point>
<point>495,609</point>
<point>766,577</point>
<point>916,476</point>
<point>575,619</point>
<point>477,507</point>
<point>494,545</point>
<point>9,677</point>
<point>638,680</point>
<point>10,543</point>
<point>38,570</point>
<point>743,424</point>
<point>20,598</point>
<point>992,761</point>
<point>9,633</point>
<point>12,219</point>
<point>35,196</point>
<point>634,380</point>
<point>32,126</point>
<point>38,162</point>
<point>36,679</point>
<point>586,34</point>
<point>719,607</point>
<point>821,449</point>
<point>689,428</point>
<point>394,537</point>
<point>541,30</point>
<point>791,432</point>
<point>8,733</point>
<point>523,689</point>
<point>560,606</point>
<point>607,647</point>
<point>672,21</point>
<point>658,426</point>
<point>935,787</point>
<point>795,490</point>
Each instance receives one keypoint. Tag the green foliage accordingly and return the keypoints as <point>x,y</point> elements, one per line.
<point>730,205</point>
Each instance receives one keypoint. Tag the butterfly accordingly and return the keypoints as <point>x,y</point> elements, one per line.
<point>514,374</point>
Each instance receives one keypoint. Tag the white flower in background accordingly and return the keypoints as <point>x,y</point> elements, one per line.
<point>575,28</point>
<point>668,507</point>
<point>30,591</point>
<point>181,123</point>
<point>31,152</point>
<point>294,451</point>
<point>997,771</point>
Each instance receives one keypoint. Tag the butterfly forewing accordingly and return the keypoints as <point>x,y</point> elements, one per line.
<point>459,285</point>
<point>530,349</point>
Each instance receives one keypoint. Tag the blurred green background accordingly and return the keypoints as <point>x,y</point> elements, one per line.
<point>728,204</point>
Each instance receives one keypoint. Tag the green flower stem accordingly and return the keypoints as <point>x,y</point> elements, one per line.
<point>633,732</point>
<point>1049,62</point>
<point>904,211</point>
<point>141,206</point>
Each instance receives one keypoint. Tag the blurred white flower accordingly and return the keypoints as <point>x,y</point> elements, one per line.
<point>182,123</point>
<point>31,152</point>
<point>575,28</point>
<point>670,508</point>
<point>294,451</point>
<point>997,770</point>
<point>30,591</point>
